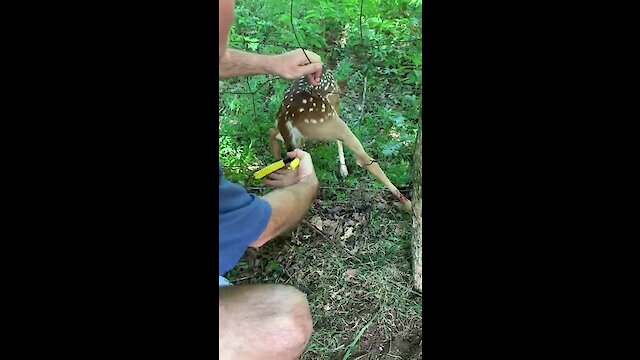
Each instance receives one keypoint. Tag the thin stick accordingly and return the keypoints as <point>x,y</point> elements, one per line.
<point>252,92</point>
<point>361,37</point>
<point>253,101</point>
<point>244,278</point>
<point>317,230</point>
<point>364,92</point>
<point>296,35</point>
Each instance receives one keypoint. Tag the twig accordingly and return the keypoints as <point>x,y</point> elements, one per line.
<point>236,93</point>
<point>253,101</point>
<point>317,230</point>
<point>296,35</point>
<point>244,278</point>
<point>360,19</point>
<point>364,91</point>
<point>263,42</point>
<point>401,41</point>
<point>263,83</point>
<point>409,289</point>
<point>252,92</point>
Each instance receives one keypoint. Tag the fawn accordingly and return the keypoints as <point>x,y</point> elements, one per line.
<point>311,112</point>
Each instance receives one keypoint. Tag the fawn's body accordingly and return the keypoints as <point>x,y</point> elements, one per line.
<point>311,112</point>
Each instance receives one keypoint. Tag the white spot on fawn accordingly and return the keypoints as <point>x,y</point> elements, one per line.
<point>301,109</point>
<point>306,121</point>
<point>304,101</point>
<point>314,121</point>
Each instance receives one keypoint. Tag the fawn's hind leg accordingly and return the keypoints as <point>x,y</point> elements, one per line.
<point>343,165</point>
<point>274,143</point>
<point>342,132</point>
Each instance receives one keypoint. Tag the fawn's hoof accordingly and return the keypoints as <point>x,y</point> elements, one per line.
<point>343,170</point>
<point>404,206</point>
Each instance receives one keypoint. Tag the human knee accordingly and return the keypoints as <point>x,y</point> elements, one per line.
<point>299,311</point>
<point>294,323</point>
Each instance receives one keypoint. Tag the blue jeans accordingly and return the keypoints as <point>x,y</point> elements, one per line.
<point>222,281</point>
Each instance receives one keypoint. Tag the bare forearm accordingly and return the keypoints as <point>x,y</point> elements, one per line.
<point>239,63</point>
<point>288,207</point>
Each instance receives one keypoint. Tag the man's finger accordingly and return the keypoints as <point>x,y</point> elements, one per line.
<point>274,183</point>
<point>318,74</point>
<point>297,153</point>
<point>275,176</point>
<point>312,79</point>
<point>309,69</point>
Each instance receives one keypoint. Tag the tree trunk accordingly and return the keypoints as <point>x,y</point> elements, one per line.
<point>416,199</point>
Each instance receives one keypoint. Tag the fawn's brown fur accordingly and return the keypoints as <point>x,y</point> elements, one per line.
<point>311,112</point>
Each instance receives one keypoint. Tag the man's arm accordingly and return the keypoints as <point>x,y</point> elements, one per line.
<point>290,203</point>
<point>239,63</point>
<point>290,65</point>
<point>288,207</point>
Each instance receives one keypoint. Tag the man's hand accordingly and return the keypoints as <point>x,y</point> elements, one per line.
<point>303,173</point>
<point>294,64</point>
<point>290,203</point>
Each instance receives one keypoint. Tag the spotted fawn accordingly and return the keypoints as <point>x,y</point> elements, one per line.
<point>311,112</point>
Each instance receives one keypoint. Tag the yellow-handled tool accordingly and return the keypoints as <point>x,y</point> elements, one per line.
<point>293,163</point>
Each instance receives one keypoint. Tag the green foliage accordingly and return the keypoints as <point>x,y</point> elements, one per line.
<point>386,53</point>
<point>381,60</point>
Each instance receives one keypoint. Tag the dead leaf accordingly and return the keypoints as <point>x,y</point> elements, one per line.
<point>347,233</point>
<point>335,294</point>
<point>329,227</point>
<point>350,274</point>
<point>316,221</point>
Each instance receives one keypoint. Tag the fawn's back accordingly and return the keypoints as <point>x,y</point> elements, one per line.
<point>308,111</point>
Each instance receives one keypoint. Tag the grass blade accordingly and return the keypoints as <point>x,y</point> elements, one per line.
<point>357,338</point>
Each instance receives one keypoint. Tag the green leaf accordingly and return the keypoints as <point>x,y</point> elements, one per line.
<point>399,120</point>
<point>391,148</point>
